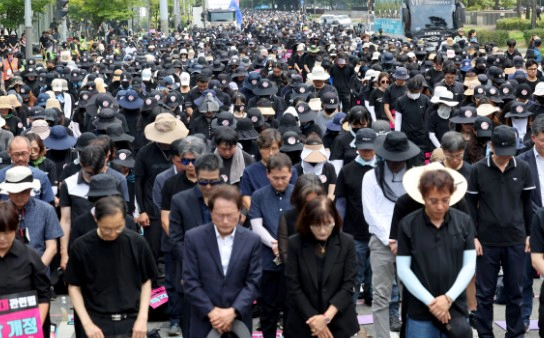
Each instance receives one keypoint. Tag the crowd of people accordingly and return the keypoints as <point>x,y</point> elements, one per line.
<point>286,167</point>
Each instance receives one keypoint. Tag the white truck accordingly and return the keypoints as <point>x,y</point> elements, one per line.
<point>216,13</point>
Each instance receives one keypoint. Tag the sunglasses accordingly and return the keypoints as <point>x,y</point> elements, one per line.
<point>210,182</point>
<point>186,161</point>
<point>384,81</point>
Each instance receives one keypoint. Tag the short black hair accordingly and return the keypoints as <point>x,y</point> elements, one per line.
<point>279,161</point>
<point>225,135</point>
<point>92,156</point>
<point>208,162</point>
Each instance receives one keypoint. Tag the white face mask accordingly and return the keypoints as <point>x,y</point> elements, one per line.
<point>444,111</point>
<point>521,126</point>
<point>414,96</point>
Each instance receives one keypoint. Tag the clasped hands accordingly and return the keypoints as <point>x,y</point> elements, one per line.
<point>319,327</point>
<point>440,308</point>
<point>221,319</point>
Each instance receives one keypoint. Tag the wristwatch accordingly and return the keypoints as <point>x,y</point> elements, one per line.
<point>327,319</point>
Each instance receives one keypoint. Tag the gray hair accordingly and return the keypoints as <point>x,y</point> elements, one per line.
<point>538,125</point>
<point>453,141</point>
<point>192,145</point>
<point>208,162</point>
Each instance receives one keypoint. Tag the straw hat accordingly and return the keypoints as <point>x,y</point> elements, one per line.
<point>166,129</point>
<point>411,178</point>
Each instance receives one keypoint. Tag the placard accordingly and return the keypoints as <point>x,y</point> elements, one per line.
<point>158,297</point>
<point>20,316</point>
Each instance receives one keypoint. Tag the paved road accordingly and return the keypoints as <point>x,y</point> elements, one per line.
<point>57,305</point>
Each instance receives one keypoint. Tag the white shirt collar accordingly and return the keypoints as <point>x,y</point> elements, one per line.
<point>217,235</point>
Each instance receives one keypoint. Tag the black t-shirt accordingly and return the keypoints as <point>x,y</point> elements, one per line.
<point>376,101</point>
<point>413,118</point>
<point>348,185</point>
<point>392,94</point>
<point>110,273</point>
<point>342,149</point>
<point>437,256</point>
<point>438,125</point>
<point>150,162</point>
<point>327,177</point>
<point>500,202</point>
<point>85,223</point>
<point>23,270</point>
<point>173,185</point>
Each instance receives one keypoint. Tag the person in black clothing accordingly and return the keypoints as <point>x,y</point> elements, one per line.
<point>203,123</point>
<point>341,73</point>
<point>102,260</point>
<point>21,263</point>
<point>512,51</point>
<point>435,74</point>
<point>411,113</point>
<point>349,203</point>
<point>344,150</point>
<point>152,159</point>
<point>394,92</point>
<point>307,187</point>
<point>503,225</point>
<point>375,101</point>
<point>436,256</point>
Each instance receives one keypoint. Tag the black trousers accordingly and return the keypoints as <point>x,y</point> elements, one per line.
<point>487,269</point>
<point>113,329</point>
<point>153,234</point>
<point>272,301</point>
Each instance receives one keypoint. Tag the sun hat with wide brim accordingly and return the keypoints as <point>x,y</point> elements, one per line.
<point>238,329</point>
<point>318,73</point>
<point>395,146</point>
<point>246,131</point>
<point>486,109</point>
<point>131,100</point>
<point>314,153</point>
<point>166,129</point>
<point>40,127</point>
<point>59,139</point>
<point>444,96</point>
<point>411,178</point>
<point>5,103</point>
<point>19,179</point>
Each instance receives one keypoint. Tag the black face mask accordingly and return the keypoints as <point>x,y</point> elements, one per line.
<point>239,107</point>
<point>330,111</point>
<point>355,130</point>
<point>125,85</point>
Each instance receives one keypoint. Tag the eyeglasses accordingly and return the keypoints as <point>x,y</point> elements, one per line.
<point>22,154</point>
<point>532,69</point>
<point>435,201</point>
<point>186,161</point>
<point>384,81</point>
<point>210,182</point>
<point>117,230</point>
<point>322,226</point>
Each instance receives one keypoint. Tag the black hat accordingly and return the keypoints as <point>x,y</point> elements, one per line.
<point>288,122</point>
<point>246,131</point>
<point>305,113</point>
<point>523,91</point>
<point>103,185</point>
<point>84,140</point>
<point>395,146</point>
<point>106,117</point>
<point>36,112</point>
<point>25,92</point>
<point>291,141</point>
<point>493,94</point>
<point>504,141</point>
<point>464,115</point>
<point>518,110</point>
<point>483,127</point>
<point>256,117</point>
<point>265,88</point>
<point>124,158</point>
<point>330,100</point>
<point>84,97</point>
<point>364,139</point>
<point>497,74</point>
<point>117,134</point>
<point>507,91</point>
<point>225,119</point>
<point>479,91</point>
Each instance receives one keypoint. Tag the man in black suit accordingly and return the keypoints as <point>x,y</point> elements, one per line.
<point>189,209</point>
<point>221,268</point>
<point>535,158</point>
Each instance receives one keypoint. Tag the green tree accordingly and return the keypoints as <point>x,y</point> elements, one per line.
<point>99,11</point>
<point>12,12</point>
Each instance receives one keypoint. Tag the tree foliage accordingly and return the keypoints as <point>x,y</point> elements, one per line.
<point>12,12</point>
<point>98,11</point>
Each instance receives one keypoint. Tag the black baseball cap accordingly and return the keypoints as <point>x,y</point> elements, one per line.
<point>364,139</point>
<point>504,141</point>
